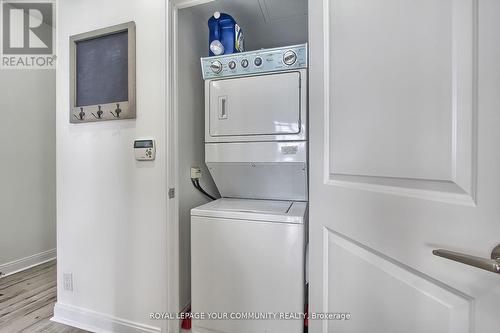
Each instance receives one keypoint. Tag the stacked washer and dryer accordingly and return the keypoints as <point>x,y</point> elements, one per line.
<point>248,248</point>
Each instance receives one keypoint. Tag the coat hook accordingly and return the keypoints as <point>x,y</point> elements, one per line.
<point>81,115</point>
<point>99,113</point>
<point>117,111</point>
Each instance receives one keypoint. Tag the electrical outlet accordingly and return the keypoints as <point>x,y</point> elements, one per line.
<point>68,281</point>
<point>195,173</point>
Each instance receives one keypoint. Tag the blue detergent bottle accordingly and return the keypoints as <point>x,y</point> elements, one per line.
<point>225,35</point>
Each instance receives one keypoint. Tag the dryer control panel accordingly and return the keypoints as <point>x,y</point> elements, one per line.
<point>253,62</point>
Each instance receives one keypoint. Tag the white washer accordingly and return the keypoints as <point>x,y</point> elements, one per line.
<point>247,256</point>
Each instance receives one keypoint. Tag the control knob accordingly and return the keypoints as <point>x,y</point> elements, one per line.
<point>289,57</point>
<point>216,66</point>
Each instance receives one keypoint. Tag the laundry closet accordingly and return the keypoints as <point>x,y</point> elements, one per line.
<point>242,139</point>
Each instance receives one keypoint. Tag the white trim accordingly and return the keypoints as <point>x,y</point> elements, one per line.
<point>181,4</point>
<point>326,90</point>
<point>97,322</point>
<point>171,74</point>
<point>173,326</point>
<point>326,277</point>
<point>27,262</point>
<point>451,197</point>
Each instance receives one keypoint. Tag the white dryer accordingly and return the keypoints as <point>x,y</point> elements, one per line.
<point>247,256</point>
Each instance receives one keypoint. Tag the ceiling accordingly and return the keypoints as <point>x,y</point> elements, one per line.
<point>265,23</point>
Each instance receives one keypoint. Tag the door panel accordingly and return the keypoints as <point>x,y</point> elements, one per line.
<point>403,160</point>
<point>257,105</point>
<point>401,86</point>
<point>391,95</point>
<point>381,287</point>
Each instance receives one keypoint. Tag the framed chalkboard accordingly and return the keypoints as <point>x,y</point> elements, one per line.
<point>102,75</point>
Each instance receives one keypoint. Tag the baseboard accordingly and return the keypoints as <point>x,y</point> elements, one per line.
<point>97,322</point>
<point>27,262</point>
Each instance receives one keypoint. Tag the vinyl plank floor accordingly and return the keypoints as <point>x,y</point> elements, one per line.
<point>27,301</point>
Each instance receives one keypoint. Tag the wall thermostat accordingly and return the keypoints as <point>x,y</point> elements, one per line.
<point>144,149</point>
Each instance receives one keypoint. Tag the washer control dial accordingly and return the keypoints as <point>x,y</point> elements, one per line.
<point>258,61</point>
<point>244,63</point>
<point>289,57</point>
<point>216,66</point>
<point>232,64</point>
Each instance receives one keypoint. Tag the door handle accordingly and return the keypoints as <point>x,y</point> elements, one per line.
<point>491,265</point>
<point>223,107</point>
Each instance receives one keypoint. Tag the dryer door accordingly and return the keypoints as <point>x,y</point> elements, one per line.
<point>264,105</point>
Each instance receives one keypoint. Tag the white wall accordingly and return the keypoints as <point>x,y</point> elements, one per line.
<point>27,168</point>
<point>111,210</point>
<point>192,44</point>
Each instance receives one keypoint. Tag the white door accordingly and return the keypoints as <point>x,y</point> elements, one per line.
<point>255,105</point>
<point>405,159</point>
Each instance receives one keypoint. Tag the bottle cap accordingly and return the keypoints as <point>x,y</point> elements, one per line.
<point>217,47</point>
<point>217,15</point>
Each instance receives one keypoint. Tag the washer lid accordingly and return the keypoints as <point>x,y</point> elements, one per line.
<point>255,210</point>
